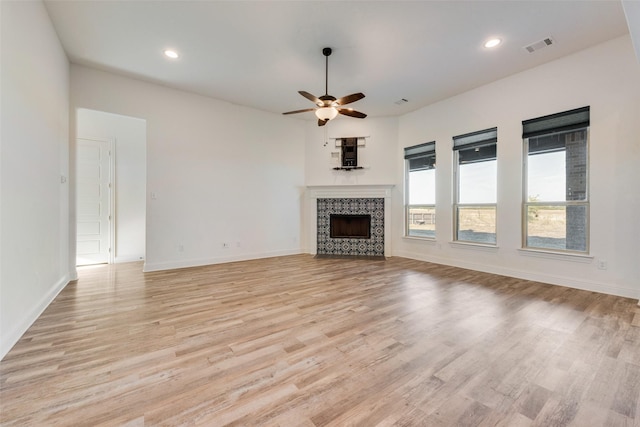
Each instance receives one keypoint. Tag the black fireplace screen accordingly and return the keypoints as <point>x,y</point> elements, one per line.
<point>350,226</point>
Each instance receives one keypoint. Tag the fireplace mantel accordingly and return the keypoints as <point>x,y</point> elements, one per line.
<point>349,191</point>
<point>315,192</point>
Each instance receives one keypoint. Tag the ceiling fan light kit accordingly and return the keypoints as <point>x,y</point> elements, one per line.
<point>326,113</point>
<point>328,107</point>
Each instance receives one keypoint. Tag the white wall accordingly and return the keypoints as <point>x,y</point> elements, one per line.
<point>377,156</point>
<point>605,77</point>
<point>220,173</point>
<point>34,259</point>
<point>129,137</point>
<point>632,13</point>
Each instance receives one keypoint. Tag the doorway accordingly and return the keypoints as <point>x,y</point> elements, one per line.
<point>122,225</point>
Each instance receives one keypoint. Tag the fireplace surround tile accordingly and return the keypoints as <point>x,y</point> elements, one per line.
<point>373,246</point>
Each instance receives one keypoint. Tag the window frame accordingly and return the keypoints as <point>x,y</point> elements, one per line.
<point>526,204</point>
<point>472,137</point>
<point>427,149</point>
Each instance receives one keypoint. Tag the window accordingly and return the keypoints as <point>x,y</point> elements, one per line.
<point>556,202</point>
<point>476,186</point>
<point>420,179</point>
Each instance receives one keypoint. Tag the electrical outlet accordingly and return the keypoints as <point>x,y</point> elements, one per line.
<point>180,248</point>
<point>602,264</point>
<point>225,245</point>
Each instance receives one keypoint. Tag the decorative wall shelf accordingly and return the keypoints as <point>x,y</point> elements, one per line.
<point>347,168</point>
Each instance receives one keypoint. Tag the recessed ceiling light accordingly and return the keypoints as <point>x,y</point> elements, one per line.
<point>171,53</point>
<point>492,43</point>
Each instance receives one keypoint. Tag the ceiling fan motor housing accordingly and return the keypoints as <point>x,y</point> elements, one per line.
<point>327,101</point>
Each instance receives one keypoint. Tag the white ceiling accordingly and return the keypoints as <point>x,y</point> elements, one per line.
<point>260,53</point>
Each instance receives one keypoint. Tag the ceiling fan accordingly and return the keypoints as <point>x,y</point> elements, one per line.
<point>328,106</point>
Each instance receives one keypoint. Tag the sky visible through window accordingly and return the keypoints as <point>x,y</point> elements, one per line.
<point>546,181</point>
<point>478,182</point>
<point>422,187</point>
<point>547,177</point>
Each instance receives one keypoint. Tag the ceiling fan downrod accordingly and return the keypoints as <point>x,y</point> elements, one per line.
<point>326,52</point>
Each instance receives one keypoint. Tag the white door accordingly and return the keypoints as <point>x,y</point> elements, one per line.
<point>93,202</point>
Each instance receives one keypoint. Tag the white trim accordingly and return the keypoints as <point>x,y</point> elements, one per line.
<point>587,259</point>
<point>349,191</point>
<point>587,285</point>
<point>112,200</point>
<point>428,240</point>
<point>474,246</point>
<point>170,265</point>
<point>10,338</point>
<point>127,258</point>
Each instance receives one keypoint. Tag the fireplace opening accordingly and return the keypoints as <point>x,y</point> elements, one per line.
<point>350,226</point>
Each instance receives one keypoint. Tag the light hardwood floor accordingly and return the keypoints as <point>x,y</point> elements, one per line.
<point>299,341</point>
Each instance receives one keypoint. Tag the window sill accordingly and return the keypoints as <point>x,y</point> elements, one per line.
<point>474,246</point>
<point>583,258</point>
<point>420,239</point>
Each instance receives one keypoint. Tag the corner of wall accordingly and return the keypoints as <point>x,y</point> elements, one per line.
<point>10,338</point>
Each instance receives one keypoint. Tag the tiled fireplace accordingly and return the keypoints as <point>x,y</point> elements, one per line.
<point>357,202</point>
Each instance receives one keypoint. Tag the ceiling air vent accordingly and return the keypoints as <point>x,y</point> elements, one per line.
<point>539,45</point>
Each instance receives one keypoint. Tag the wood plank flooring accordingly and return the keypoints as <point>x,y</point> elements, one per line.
<point>300,341</point>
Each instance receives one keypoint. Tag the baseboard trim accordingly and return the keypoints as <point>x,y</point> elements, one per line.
<point>127,258</point>
<point>586,285</point>
<point>171,265</point>
<point>13,336</point>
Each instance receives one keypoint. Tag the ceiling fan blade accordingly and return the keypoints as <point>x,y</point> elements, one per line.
<point>310,97</point>
<point>352,113</point>
<point>300,111</point>
<point>322,122</point>
<point>350,98</point>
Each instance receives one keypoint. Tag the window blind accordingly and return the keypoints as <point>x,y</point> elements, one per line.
<point>556,123</point>
<point>421,157</point>
<point>475,139</point>
<point>477,146</point>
